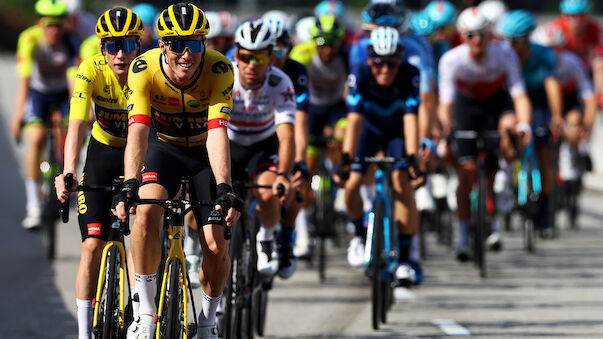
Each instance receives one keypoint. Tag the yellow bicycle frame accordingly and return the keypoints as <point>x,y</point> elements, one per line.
<point>101,280</point>
<point>176,251</point>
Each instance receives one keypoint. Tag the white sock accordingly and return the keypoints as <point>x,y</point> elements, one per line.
<point>464,232</point>
<point>301,224</point>
<point>84,318</point>
<point>145,287</point>
<point>367,193</point>
<point>267,234</point>
<point>209,305</point>
<point>32,192</point>
<point>415,247</point>
<point>191,246</point>
<point>135,304</point>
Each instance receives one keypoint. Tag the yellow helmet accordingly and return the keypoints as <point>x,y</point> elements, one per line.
<point>182,20</point>
<point>119,22</point>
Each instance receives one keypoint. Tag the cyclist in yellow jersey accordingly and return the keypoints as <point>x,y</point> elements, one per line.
<point>100,80</point>
<point>180,93</point>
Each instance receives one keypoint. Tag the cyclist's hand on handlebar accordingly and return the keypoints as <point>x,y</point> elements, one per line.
<point>281,188</point>
<point>227,200</point>
<point>300,175</point>
<point>124,202</point>
<point>62,191</point>
<point>525,132</point>
<point>343,170</point>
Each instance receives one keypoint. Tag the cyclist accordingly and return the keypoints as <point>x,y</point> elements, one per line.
<point>538,68</point>
<point>101,79</point>
<point>584,37</point>
<point>147,14</point>
<point>493,10</point>
<point>261,132</point>
<point>472,89</point>
<point>44,54</point>
<point>183,91</point>
<point>382,104</point>
<point>299,77</point>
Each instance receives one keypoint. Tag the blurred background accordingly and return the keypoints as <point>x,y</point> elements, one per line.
<point>17,15</point>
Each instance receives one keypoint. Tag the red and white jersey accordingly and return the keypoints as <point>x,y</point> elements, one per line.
<point>257,112</point>
<point>479,80</point>
<point>585,44</point>
<point>572,75</point>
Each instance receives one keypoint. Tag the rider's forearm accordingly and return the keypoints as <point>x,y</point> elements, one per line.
<point>445,115</point>
<point>426,114</point>
<point>218,152</point>
<point>286,147</point>
<point>352,133</point>
<point>73,143</point>
<point>136,150</point>
<point>554,96</point>
<point>590,112</point>
<point>523,109</point>
<point>411,135</point>
<point>21,97</point>
<point>301,135</point>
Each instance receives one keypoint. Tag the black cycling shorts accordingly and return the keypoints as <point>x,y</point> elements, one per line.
<point>103,164</point>
<point>472,115</point>
<point>571,102</point>
<point>166,164</point>
<point>249,161</point>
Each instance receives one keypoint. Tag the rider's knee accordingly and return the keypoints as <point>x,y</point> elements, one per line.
<point>93,246</point>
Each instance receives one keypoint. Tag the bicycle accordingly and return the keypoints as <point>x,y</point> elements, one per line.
<point>175,291</point>
<point>246,292</point>
<point>111,312</point>
<point>529,188</point>
<point>381,250</point>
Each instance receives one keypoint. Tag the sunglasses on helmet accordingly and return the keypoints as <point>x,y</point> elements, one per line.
<point>113,46</point>
<point>179,47</point>
<point>383,61</point>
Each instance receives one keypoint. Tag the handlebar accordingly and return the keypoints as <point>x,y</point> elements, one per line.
<point>65,205</point>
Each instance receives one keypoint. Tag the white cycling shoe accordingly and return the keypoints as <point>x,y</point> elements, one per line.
<point>142,328</point>
<point>356,252</point>
<point>33,218</point>
<point>267,257</point>
<point>405,274</point>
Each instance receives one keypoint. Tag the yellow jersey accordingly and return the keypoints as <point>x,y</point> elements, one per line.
<point>180,115</point>
<point>95,82</point>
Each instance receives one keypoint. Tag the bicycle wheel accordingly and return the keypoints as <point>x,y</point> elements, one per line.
<point>172,318</point>
<point>108,311</point>
<point>377,264</point>
<point>49,218</point>
<point>480,229</point>
<point>528,234</point>
<point>324,220</point>
<point>261,301</point>
<point>230,318</point>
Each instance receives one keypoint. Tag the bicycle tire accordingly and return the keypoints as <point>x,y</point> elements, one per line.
<point>230,318</point>
<point>48,219</point>
<point>324,222</point>
<point>173,325</point>
<point>262,306</point>
<point>377,264</point>
<point>528,234</point>
<point>107,309</point>
<point>480,229</point>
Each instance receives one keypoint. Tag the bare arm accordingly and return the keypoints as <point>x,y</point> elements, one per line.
<point>411,134</point>
<point>523,108</point>
<point>73,143</point>
<point>301,135</point>
<point>20,98</point>
<point>352,133</point>
<point>554,96</point>
<point>218,151</point>
<point>426,114</point>
<point>445,111</point>
<point>590,113</point>
<point>136,150</point>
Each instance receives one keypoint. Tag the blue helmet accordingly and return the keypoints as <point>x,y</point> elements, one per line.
<point>517,23</point>
<point>385,41</point>
<point>441,13</point>
<point>147,13</point>
<point>384,14</point>
<point>574,6</point>
<point>421,24</point>
<point>330,7</point>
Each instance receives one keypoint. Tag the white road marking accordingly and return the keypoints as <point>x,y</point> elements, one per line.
<point>403,294</point>
<point>451,327</point>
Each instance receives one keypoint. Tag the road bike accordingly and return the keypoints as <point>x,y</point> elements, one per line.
<point>529,188</point>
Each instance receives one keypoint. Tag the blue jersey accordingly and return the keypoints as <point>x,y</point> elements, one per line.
<point>439,48</point>
<point>299,76</point>
<point>383,107</point>
<point>230,53</point>
<point>413,54</point>
<point>540,65</point>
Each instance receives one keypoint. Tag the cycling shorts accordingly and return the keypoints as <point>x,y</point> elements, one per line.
<point>472,115</point>
<point>103,164</point>
<point>38,106</point>
<point>571,102</point>
<point>321,116</point>
<point>541,116</point>
<point>166,164</point>
<point>373,140</point>
<point>249,161</point>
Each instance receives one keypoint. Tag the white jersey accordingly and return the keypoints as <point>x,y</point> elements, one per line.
<point>572,75</point>
<point>479,80</point>
<point>256,113</point>
<point>327,82</point>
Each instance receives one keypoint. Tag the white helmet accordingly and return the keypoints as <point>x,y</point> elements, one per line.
<point>229,22</point>
<point>471,20</point>
<point>548,35</point>
<point>215,24</point>
<point>302,29</point>
<point>385,41</point>
<point>254,35</point>
<point>276,15</point>
<point>493,10</point>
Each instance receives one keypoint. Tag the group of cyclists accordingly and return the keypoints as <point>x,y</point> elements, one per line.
<point>158,95</point>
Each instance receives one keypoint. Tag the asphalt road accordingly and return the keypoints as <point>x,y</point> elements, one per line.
<point>555,293</point>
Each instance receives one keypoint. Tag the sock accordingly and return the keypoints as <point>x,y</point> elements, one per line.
<point>267,233</point>
<point>286,236</point>
<point>464,232</point>
<point>404,241</point>
<point>135,305</point>
<point>32,193</point>
<point>301,224</point>
<point>145,288</point>
<point>415,248</point>
<point>367,193</point>
<point>209,305</point>
<point>84,318</point>
<point>191,245</point>
<point>359,229</point>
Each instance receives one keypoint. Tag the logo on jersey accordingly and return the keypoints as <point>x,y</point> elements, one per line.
<point>274,80</point>
<point>221,67</point>
<point>139,66</point>
<point>173,101</point>
<point>193,103</point>
<point>94,228</point>
<point>227,90</point>
<point>302,80</point>
<point>78,95</point>
<point>107,89</point>
<point>130,107</point>
<point>83,77</point>
<point>288,95</point>
<point>226,110</point>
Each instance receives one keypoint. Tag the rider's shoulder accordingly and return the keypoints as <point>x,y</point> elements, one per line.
<point>277,78</point>
<point>32,34</point>
<point>217,64</point>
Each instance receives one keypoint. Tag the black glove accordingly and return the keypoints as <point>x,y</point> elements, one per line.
<point>414,164</point>
<point>227,198</point>
<point>300,166</point>
<point>128,194</point>
<point>344,167</point>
